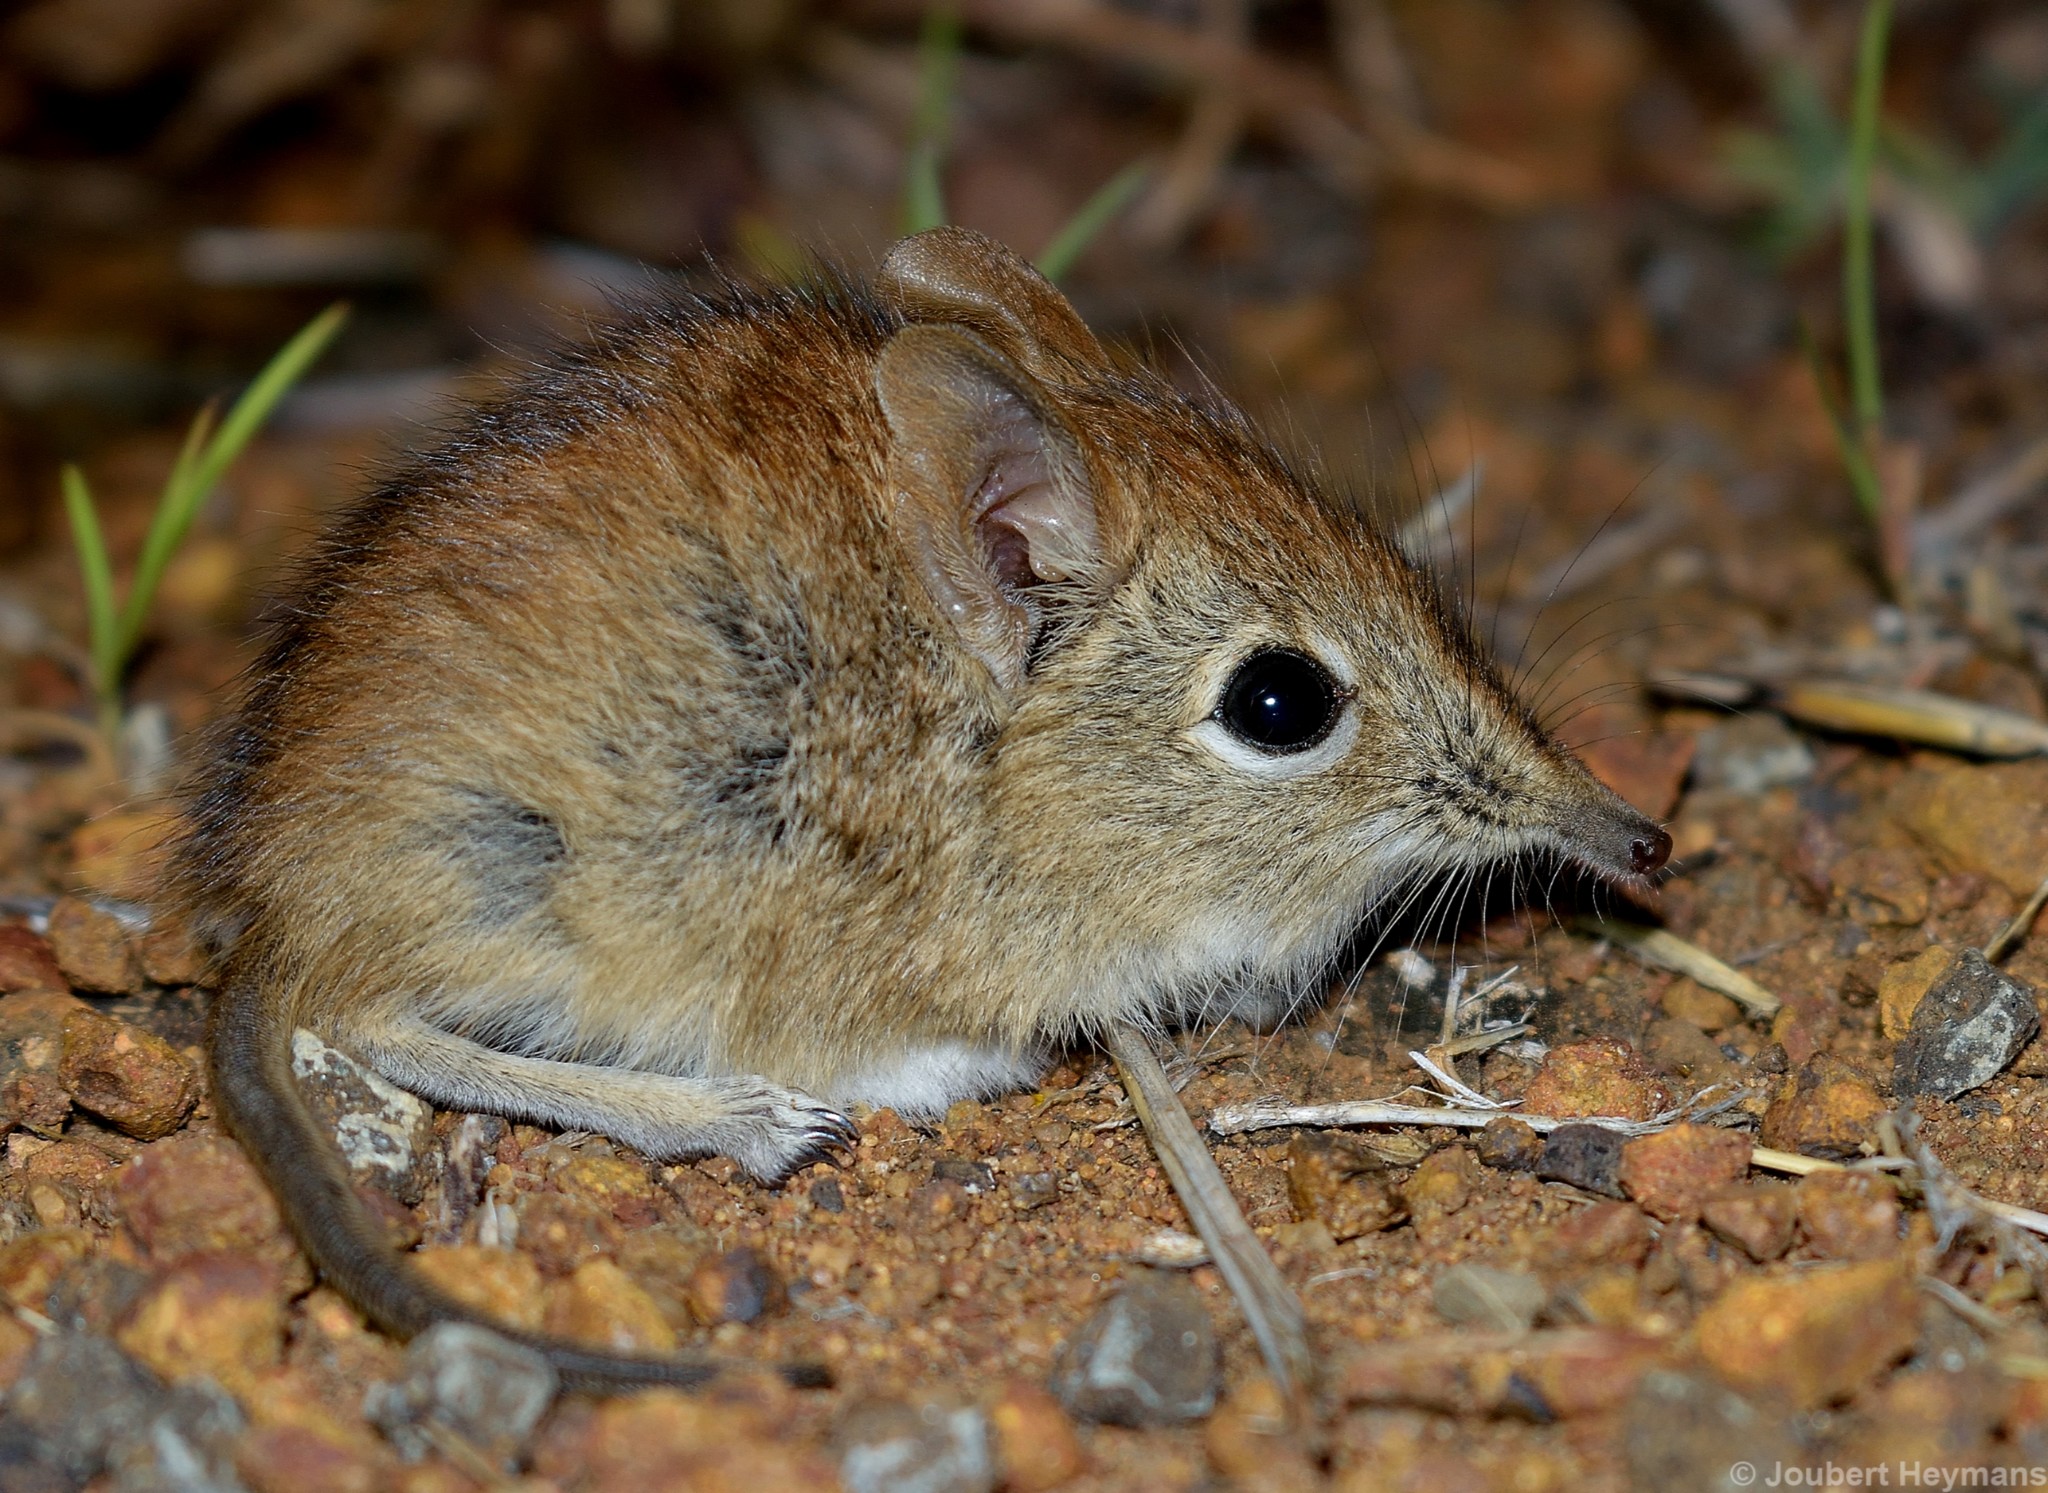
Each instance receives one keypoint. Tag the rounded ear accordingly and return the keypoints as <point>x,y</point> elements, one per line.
<point>966,278</point>
<point>993,492</point>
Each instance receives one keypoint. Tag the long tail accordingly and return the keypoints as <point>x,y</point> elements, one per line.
<point>258,1097</point>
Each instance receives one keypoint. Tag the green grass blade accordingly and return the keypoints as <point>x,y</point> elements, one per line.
<point>938,57</point>
<point>1094,215</point>
<point>1859,292</point>
<point>208,455</point>
<point>1849,443</point>
<point>98,575</point>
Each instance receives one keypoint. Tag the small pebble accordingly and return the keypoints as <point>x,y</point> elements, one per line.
<point>1586,1156</point>
<point>386,1134</point>
<point>1825,1107</point>
<point>92,948</point>
<point>1671,1172</point>
<point>974,1177</point>
<point>483,1386</point>
<point>26,962</point>
<point>1509,1145</point>
<point>1902,986</point>
<point>1030,1190</point>
<point>1849,1215</point>
<point>1971,1023</point>
<point>890,1446</point>
<point>1482,1296</point>
<point>1685,999</point>
<point>136,1082</point>
<point>1758,1218</point>
<point>1337,1181</point>
<point>1146,1357</point>
<point>1812,1336</point>
<point>827,1196</point>
<point>1036,1445</point>
<point>737,1286</point>
<point>1602,1077</point>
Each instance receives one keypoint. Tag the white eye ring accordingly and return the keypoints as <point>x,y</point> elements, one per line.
<point>1219,741</point>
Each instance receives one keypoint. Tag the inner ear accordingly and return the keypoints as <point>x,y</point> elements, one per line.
<point>993,492</point>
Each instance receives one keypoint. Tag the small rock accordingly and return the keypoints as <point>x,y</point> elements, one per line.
<point>561,1230</point>
<point>737,1286</point>
<point>477,1383</point>
<point>975,1178</point>
<point>503,1284</point>
<point>618,1186</point>
<point>1849,1215</point>
<point>1441,1186</point>
<point>93,948</point>
<point>1671,1172</point>
<point>386,1134</point>
<point>82,1408</point>
<point>1336,1180</point>
<point>1751,755</point>
<point>730,1436</point>
<point>136,1082</point>
<point>36,1101</point>
<point>169,957</point>
<point>32,1029</point>
<point>888,1446</point>
<point>1681,1433</point>
<point>1902,986</point>
<point>1602,1077</point>
<point>1825,1108</point>
<point>221,1315</point>
<point>1679,1047</point>
<point>1030,1190</point>
<point>1146,1357</point>
<point>1547,1375</point>
<point>1605,1234</point>
<point>1988,818</point>
<point>1685,999</point>
<point>287,1457</point>
<point>31,1263</point>
<point>1036,1445</point>
<point>827,1196</point>
<point>1481,1296</point>
<point>661,1261</point>
<point>1758,1218</point>
<point>1970,1024</point>
<point>601,1305</point>
<point>1509,1145</point>
<point>1251,1439</point>
<point>1586,1156</point>
<point>1813,1336</point>
<point>193,1194</point>
<point>1882,887</point>
<point>26,962</point>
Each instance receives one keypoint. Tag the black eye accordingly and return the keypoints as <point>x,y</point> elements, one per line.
<point>1279,701</point>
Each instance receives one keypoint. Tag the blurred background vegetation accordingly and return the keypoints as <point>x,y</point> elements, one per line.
<point>1591,248</point>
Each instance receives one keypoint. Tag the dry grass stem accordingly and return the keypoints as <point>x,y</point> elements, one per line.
<point>1667,950</point>
<point>2013,934</point>
<point>1268,1302</point>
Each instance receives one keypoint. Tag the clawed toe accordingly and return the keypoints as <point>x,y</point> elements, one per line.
<point>829,1134</point>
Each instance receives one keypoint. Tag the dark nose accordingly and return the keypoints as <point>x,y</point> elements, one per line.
<point>1647,853</point>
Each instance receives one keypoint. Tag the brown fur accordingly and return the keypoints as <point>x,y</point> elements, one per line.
<point>682,741</point>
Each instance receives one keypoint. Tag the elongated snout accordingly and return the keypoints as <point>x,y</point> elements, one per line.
<point>1612,838</point>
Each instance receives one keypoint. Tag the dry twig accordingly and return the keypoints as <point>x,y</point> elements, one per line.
<point>1667,950</point>
<point>1269,1304</point>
